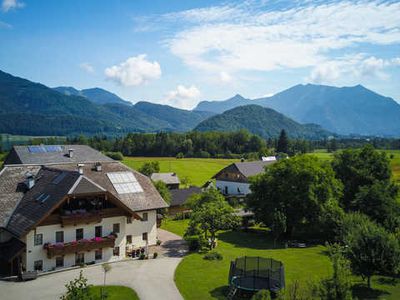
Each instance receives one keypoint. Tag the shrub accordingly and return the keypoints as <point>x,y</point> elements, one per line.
<point>262,295</point>
<point>142,256</point>
<point>115,155</point>
<point>158,242</point>
<point>196,242</point>
<point>213,255</point>
<point>180,155</point>
<point>155,254</point>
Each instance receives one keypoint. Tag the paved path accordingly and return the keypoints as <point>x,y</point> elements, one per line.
<point>152,279</point>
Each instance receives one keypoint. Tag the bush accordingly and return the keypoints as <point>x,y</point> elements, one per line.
<point>142,256</point>
<point>180,155</point>
<point>158,242</point>
<point>115,155</point>
<point>196,242</point>
<point>262,295</point>
<point>155,254</point>
<point>213,255</point>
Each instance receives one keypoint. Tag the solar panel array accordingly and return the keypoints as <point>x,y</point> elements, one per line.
<point>125,182</point>
<point>44,149</point>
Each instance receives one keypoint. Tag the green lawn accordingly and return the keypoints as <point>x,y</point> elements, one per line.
<point>198,170</point>
<point>114,292</point>
<point>197,278</point>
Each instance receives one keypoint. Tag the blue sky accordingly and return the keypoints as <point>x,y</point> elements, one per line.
<point>181,52</point>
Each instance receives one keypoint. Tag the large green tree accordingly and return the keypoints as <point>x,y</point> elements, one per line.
<point>149,168</point>
<point>370,248</point>
<point>163,190</point>
<point>283,143</point>
<point>210,214</point>
<point>302,188</point>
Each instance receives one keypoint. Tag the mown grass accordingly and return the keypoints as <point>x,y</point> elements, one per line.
<point>114,292</point>
<point>197,278</point>
<point>197,170</point>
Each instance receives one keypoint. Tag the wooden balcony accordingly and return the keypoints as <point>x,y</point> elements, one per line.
<point>59,249</point>
<point>81,218</point>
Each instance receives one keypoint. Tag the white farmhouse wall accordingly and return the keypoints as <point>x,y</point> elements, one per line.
<point>232,187</point>
<point>136,229</point>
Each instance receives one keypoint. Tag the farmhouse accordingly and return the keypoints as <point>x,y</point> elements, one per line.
<point>179,198</point>
<point>62,206</point>
<point>171,180</point>
<point>233,180</point>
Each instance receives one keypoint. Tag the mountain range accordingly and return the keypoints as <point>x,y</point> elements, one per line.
<point>34,109</point>
<point>346,110</point>
<point>262,121</point>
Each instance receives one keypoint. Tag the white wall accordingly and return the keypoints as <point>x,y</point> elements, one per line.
<point>233,187</point>
<point>136,228</point>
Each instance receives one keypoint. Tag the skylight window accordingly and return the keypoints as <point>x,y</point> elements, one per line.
<point>125,182</point>
<point>44,149</point>
<point>42,198</point>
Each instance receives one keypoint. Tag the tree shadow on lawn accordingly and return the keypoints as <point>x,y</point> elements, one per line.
<point>220,292</point>
<point>252,238</point>
<point>362,291</point>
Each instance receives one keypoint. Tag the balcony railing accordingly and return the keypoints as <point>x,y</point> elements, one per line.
<point>59,249</point>
<point>81,218</point>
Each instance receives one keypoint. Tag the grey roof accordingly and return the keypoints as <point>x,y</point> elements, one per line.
<point>167,178</point>
<point>251,168</point>
<point>82,153</point>
<point>180,196</point>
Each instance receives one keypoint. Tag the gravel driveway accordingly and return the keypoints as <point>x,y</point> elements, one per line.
<point>151,279</point>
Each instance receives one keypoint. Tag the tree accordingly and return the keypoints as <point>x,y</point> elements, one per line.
<point>210,214</point>
<point>77,289</point>
<point>370,248</point>
<point>163,190</point>
<point>278,226</point>
<point>106,269</point>
<point>301,188</point>
<point>283,143</point>
<point>185,181</point>
<point>338,287</point>
<point>149,168</point>
<point>357,168</point>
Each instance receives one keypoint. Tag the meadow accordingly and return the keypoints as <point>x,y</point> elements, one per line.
<point>197,278</point>
<point>197,170</point>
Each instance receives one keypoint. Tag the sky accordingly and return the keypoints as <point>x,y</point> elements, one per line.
<point>181,52</point>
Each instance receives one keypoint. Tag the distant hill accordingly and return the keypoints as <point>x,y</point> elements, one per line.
<point>221,106</point>
<point>96,95</point>
<point>177,118</point>
<point>265,122</point>
<point>33,109</point>
<point>346,110</point>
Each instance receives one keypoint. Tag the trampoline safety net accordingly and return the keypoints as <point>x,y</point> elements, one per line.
<point>257,273</point>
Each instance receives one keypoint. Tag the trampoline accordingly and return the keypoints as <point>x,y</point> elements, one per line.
<point>257,273</point>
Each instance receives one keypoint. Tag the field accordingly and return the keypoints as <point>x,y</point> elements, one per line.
<point>197,278</point>
<point>197,170</point>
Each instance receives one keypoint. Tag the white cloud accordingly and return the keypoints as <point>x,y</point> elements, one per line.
<point>88,68</point>
<point>357,67</point>
<point>257,38</point>
<point>225,77</point>
<point>136,70</point>
<point>7,5</point>
<point>183,97</point>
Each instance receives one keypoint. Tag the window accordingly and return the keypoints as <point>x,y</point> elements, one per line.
<point>59,236</point>
<point>128,220</point>
<point>116,251</point>
<point>98,254</point>
<point>98,231</point>
<point>79,258</point>
<point>59,261</point>
<point>145,217</point>
<point>144,236</point>
<point>129,239</point>
<point>38,239</point>
<point>38,265</point>
<point>79,234</point>
<point>116,228</point>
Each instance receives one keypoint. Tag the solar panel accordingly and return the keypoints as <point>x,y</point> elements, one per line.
<point>42,198</point>
<point>125,182</point>
<point>53,148</point>
<point>59,178</point>
<point>36,149</point>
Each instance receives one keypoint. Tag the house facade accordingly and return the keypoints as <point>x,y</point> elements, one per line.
<point>233,180</point>
<point>56,214</point>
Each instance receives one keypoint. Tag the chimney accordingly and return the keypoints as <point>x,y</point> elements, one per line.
<point>29,180</point>
<point>98,167</point>
<point>71,153</point>
<point>80,168</point>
